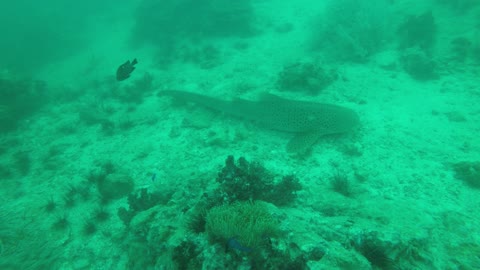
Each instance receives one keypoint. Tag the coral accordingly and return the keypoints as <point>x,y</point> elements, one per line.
<point>285,191</point>
<point>172,24</point>
<point>144,200</point>
<point>419,65</point>
<point>125,215</point>
<point>46,41</point>
<point>459,6</point>
<point>374,250</point>
<point>250,223</point>
<point>150,236</point>
<point>352,30</point>
<point>20,99</point>
<point>111,182</point>
<point>193,18</point>
<point>461,48</point>
<point>185,255</point>
<point>245,180</point>
<point>305,77</point>
<point>316,253</point>
<point>135,92</point>
<point>291,258</point>
<point>417,36</point>
<point>418,31</point>
<point>98,175</point>
<point>469,172</point>
<point>115,186</point>
<point>141,201</point>
<point>389,251</point>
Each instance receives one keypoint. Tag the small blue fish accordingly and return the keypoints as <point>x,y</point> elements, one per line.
<point>234,244</point>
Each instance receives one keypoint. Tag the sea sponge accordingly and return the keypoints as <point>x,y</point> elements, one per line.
<point>249,223</point>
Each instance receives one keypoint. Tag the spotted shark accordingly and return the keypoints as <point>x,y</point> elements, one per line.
<point>308,121</point>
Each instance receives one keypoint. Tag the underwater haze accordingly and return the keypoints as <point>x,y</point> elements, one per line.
<point>219,134</point>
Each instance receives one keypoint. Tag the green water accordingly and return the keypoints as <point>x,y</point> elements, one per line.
<point>97,173</point>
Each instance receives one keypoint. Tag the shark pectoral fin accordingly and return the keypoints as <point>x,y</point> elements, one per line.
<point>301,142</point>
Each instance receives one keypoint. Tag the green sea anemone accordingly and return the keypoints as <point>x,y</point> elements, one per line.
<point>248,222</point>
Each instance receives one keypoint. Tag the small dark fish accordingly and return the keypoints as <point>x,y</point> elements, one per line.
<point>124,70</point>
<point>234,244</point>
<point>154,176</point>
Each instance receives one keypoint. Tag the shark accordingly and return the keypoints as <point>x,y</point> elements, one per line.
<point>307,121</point>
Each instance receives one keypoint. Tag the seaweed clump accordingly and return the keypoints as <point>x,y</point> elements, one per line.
<point>243,180</point>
